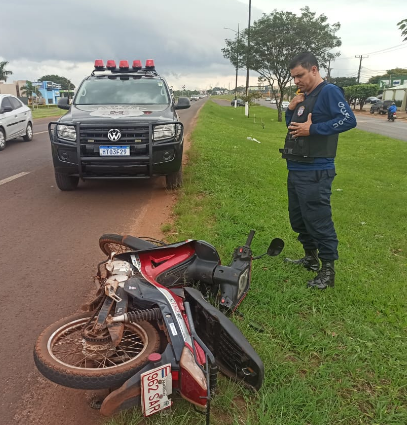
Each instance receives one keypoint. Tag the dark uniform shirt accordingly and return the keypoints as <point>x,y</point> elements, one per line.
<point>331,115</point>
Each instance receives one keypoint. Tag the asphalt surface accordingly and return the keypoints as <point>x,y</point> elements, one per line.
<point>49,253</point>
<point>372,123</point>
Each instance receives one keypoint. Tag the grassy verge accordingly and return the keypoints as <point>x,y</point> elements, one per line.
<point>331,357</point>
<point>47,111</point>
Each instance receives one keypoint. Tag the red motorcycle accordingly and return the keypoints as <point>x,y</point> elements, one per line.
<point>151,331</point>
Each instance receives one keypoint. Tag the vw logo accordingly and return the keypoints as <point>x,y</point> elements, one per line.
<point>114,134</point>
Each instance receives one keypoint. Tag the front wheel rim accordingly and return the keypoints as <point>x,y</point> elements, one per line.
<point>29,131</point>
<point>68,347</point>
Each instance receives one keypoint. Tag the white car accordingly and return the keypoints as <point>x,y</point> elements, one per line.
<point>15,120</point>
<point>284,105</point>
<point>273,101</point>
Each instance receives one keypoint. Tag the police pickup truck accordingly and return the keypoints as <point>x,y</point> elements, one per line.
<point>122,124</point>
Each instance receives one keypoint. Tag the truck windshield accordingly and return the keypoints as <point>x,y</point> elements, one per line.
<point>122,91</point>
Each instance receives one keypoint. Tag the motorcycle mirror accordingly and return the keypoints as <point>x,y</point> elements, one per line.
<point>275,247</point>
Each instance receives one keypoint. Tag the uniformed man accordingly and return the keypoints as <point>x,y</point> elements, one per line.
<point>314,119</point>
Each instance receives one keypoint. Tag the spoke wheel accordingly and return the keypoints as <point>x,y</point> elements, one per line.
<point>68,356</point>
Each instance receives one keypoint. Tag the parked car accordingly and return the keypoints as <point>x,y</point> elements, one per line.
<point>273,101</point>
<point>240,102</point>
<point>194,97</point>
<point>15,120</point>
<point>372,99</point>
<point>380,107</point>
<point>284,104</point>
<point>267,99</point>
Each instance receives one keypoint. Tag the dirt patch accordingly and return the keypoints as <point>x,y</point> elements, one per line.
<point>46,403</point>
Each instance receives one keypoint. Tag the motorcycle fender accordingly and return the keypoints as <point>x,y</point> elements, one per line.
<point>234,355</point>
<point>129,394</point>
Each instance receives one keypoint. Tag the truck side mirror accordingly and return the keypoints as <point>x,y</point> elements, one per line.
<point>63,103</point>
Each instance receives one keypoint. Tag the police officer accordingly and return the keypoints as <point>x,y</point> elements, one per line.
<point>314,119</point>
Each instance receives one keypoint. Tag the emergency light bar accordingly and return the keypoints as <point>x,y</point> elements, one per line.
<point>124,66</point>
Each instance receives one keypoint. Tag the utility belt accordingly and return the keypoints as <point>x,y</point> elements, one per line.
<point>306,149</point>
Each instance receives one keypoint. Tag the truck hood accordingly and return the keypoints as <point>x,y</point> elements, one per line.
<point>117,113</point>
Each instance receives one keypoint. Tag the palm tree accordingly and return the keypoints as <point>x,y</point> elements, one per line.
<point>29,90</point>
<point>3,72</point>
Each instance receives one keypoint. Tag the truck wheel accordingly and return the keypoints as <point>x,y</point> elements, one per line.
<point>372,111</point>
<point>28,133</point>
<point>65,182</point>
<point>174,180</point>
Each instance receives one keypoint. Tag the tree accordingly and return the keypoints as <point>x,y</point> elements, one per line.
<point>386,76</point>
<point>276,38</point>
<point>360,92</point>
<point>344,81</point>
<point>29,90</point>
<point>3,72</point>
<point>65,83</point>
<point>403,28</point>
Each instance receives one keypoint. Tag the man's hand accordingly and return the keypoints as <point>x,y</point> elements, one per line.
<point>298,129</point>
<point>295,101</point>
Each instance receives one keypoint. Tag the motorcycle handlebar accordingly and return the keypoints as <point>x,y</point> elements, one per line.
<point>250,238</point>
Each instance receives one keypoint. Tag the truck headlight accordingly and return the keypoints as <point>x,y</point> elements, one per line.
<point>67,132</point>
<point>166,131</point>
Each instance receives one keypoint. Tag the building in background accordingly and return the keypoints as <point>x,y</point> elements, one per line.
<point>50,91</point>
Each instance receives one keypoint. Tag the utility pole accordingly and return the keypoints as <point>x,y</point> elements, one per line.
<point>328,77</point>
<point>237,55</point>
<point>360,64</point>
<point>247,60</point>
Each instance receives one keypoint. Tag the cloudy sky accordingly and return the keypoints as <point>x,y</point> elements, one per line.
<point>184,37</point>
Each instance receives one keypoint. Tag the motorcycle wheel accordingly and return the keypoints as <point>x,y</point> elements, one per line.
<point>113,243</point>
<point>62,355</point>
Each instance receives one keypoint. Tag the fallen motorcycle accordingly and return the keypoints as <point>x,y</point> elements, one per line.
<point>151,331</point>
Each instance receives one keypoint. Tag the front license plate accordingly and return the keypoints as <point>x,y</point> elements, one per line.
<point>156,386</point>
<point>114,150</point>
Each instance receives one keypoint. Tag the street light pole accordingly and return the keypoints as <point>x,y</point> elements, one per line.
<point>247,60</point>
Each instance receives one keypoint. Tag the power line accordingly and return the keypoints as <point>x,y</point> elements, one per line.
<point>387,48</point>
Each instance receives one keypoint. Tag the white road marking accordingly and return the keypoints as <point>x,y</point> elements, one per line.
<point>16,176</point>
<point>40,132</point>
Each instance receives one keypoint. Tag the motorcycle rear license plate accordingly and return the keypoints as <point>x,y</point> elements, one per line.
<point>114,150</point>
<point>156,386</point>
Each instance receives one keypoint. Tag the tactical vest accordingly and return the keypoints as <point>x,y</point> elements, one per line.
<point>307,148</point>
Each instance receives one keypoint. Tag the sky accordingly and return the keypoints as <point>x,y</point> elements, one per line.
<point>184,37</point>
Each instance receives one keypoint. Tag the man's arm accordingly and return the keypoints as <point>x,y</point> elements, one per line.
<point>343,118</point>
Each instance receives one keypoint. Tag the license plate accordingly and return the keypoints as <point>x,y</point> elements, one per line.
<point>114,150</point>
<point>156,386</point>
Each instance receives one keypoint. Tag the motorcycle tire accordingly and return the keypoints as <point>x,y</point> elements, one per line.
<point>72,368</point>
<point>113,243</point>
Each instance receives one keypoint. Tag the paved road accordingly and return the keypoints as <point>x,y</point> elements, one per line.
<point>49,251</point>
<point>372,123</point>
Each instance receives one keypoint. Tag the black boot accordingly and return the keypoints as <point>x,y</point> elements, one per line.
<point>325,277</point>
<point>310,261</point>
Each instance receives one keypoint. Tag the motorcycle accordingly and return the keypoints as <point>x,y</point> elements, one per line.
<point>391,116</point>
<point>151,330</point>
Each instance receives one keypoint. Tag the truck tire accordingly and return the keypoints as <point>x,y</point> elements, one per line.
<point>65,182</point>
<point>174,180</point>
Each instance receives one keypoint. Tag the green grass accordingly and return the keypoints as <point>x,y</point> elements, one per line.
<point>331,357</point>
<point>47,111</point>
